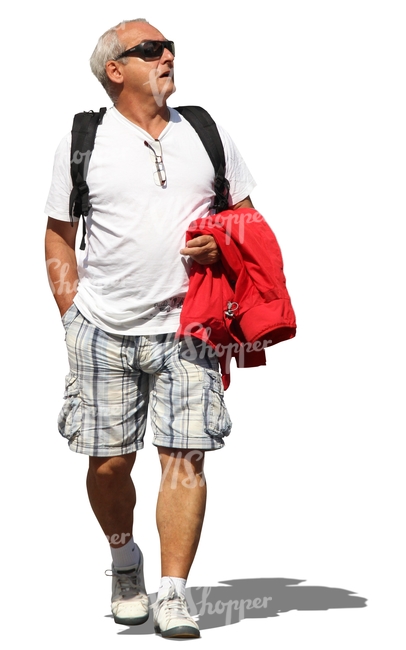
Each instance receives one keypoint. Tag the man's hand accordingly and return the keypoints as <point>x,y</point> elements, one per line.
<point>202,249</point>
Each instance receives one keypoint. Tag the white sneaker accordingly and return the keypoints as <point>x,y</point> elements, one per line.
<point>171,617</point>
<point>129,601</point>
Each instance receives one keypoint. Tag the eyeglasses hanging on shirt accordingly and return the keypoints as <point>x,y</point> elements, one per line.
<point>155,150</point>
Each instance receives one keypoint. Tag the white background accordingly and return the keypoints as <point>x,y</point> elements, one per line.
<point>310,485</point>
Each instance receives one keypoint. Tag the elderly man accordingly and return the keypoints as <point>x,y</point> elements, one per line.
<point>149,177</point>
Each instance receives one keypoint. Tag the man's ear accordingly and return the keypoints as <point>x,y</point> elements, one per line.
<point>113,71</point>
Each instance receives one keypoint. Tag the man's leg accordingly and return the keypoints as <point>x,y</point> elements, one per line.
<point>180,509</point>
<point>180,512</point>
<point>112,497</point>
<point>105,412</point>
<point>188,416</point>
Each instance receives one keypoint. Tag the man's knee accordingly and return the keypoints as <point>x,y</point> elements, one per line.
<point>184,466</point>
<point>112,470</point>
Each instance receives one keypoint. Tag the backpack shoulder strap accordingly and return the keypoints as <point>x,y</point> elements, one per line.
<point>83,136</point>
<point>206,129</point>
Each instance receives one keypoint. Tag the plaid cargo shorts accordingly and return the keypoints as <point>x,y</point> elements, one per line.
<point>114,381</point>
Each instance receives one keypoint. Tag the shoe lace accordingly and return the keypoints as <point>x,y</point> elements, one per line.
<point>175,604</point>
<point>127,582</point>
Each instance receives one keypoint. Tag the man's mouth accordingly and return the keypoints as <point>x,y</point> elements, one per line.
<point>167,74</point>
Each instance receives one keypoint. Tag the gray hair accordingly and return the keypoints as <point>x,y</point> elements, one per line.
<point>109,47</point>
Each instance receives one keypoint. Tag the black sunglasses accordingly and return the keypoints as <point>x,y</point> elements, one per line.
<point>149,50</point>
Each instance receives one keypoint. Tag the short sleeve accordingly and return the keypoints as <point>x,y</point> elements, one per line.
<point>57,205</point>
<point>238,175</point>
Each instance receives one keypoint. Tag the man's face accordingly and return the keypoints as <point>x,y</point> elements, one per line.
<point>148,78</point>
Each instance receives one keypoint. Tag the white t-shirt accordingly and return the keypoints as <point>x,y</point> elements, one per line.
<point>132,278</point>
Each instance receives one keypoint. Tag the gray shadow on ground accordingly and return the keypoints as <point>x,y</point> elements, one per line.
<point>235,600</point>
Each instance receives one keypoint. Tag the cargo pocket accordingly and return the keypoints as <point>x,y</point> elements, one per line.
<point>216,418</point>
<point>70,417</point>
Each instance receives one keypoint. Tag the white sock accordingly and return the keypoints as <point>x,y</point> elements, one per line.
<point>166,583</point>
<point>125,557</point>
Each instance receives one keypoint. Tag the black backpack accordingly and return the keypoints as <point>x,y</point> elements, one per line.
<point>83,136</point>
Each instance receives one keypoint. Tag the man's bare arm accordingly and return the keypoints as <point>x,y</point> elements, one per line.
<point>245,203</point>
<point>60,257</point>
<point>203,249</point>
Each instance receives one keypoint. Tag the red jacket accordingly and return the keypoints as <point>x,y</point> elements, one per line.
<point>239,305</point>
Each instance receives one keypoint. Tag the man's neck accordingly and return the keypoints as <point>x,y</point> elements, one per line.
<point>152,119</point>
